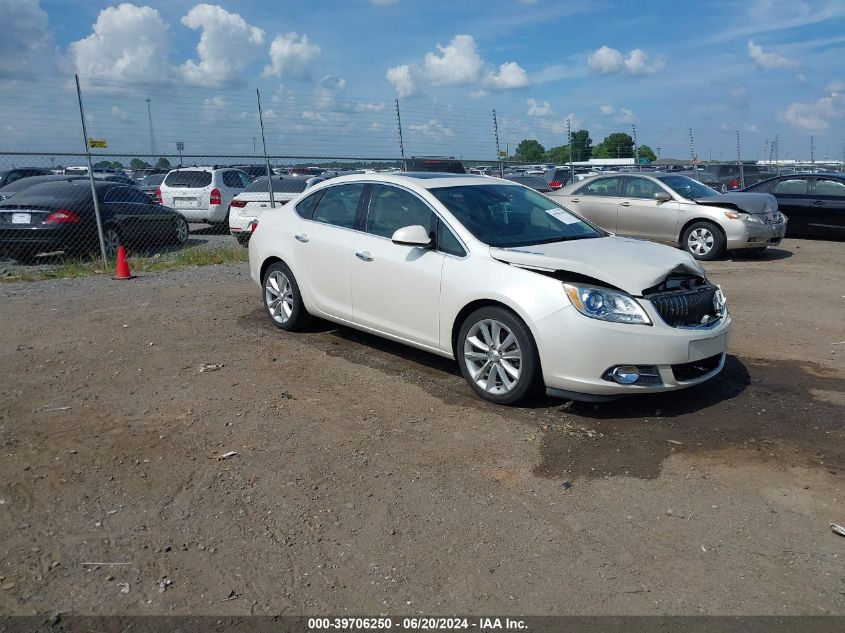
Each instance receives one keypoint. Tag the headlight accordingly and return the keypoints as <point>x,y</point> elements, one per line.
<point>606,305</point>
<point>750,218</point>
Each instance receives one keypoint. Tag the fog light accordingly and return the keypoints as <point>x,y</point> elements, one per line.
<point>626,374</point>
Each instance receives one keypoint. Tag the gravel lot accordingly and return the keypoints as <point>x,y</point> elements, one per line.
<point>368,479</point>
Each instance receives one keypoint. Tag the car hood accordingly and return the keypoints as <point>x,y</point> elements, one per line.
<point>628,264</point>
<point>746,201</point>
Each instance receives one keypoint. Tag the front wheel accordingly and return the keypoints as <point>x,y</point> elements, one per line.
<point>497,356</point>
<point>704,241</point>
<point>282,298</point>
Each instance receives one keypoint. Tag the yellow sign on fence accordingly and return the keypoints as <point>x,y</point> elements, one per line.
<point>503,154</point>
<point>97,142</point>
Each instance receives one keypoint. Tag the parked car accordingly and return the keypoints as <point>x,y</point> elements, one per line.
<point>447,164</point>
<point>677,210</point>
<point>10,176</point>
<point>537,183</point>
<point>59,216</point>
<point>728,177</point>
<point>202,194</point>
<point>247,205</point>
<point>149,184</point>
<point>253,171</point>
<point>521,291</point>
<point>558,177</point>
<point>815,203</point>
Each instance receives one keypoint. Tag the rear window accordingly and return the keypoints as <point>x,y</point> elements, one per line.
<point>188,179</point>
<point>280,185</point>
<point>445,165</point>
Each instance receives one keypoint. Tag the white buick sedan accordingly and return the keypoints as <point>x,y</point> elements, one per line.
<point>522,292</point>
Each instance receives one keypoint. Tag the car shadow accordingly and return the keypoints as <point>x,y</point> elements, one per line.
<point>756,255</point>
<point>209,229</point>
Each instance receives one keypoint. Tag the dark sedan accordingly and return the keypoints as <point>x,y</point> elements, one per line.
<point>7,191</point>
<point>814,203</point>
<point>59,216</point>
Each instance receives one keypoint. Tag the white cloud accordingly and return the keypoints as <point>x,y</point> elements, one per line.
<point>607,61</point>
<point>607,109</point>
<point>538,108</point>
<point>25,39</point>
<point>769,61</point>
<point>637,63</point>
<point>479,94</point>
<point>817,116</point>
<point>402,80</point>
<point>739,96</point>
<point>227,46</point>
<point>433,129</point>
<point>374,106</point>
<point>558,126</point>
<point>457,64</point>
<point>120,114</point>
<point>213,107</point>
<point>290,55</point>
<point>128,43</point>
<point>836,86</point>
<point>510,75</point>
<point>626,116</point>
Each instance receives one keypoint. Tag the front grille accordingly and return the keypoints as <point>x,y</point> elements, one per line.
<point>773,218</point>
<point>696,369</point>
<point>686,308</point>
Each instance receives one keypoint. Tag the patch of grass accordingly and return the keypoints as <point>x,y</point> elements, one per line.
<point>70,267</point>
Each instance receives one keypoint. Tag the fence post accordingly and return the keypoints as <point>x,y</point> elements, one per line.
<point>692,154</point>
<point>739,162</point>
<point>498,151</point>
<point>569,140</point>
<point>401,141</point>
<point>636,148</point>
<point>266,158</point>
<point>91,175</point>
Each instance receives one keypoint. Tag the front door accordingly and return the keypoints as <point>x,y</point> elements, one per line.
<point>396,288</point>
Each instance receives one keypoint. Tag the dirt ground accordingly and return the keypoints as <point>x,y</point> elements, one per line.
<point>368,479</point>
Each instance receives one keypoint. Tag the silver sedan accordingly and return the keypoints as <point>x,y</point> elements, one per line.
<point>677,210</point>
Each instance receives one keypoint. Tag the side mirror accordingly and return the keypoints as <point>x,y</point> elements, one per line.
<point>662,196</point>
<point>415,235</point>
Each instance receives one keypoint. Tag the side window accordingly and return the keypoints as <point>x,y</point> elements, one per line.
<point>232,179</point>
<point>790,186</point>
<point>825,187</point>
<point>447,242</point>
<point>305,209</point>
<point>601,187</point>
<point>125,195</point>
<point>13,176</point>
<point>392,208</point>
<point>339,205</point>
<point>641,188</point>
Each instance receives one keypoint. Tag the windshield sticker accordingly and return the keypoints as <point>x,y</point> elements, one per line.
<point>563,216</point>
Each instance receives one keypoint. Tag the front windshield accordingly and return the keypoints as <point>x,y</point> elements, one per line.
<point>688,188</point>
<point>511,215</point>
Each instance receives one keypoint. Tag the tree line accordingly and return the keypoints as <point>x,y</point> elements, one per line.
<point>616,145</point>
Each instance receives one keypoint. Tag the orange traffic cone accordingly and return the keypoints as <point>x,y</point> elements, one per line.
<point>122,271</point>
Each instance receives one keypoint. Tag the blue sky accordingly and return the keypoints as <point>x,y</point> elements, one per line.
<point>329,72</point>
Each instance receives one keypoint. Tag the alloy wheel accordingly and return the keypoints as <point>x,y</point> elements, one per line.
<point>492,356</point>
<point>700,241</point>
<point>111,241</point>
<point>182,231</point>
<point>278,294</point>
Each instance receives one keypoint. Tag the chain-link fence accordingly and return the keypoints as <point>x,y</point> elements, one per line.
<point>168,171</point>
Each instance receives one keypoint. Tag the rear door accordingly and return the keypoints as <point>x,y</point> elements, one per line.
<point>598,201</point>
<point>640,215</point>
<point>396,288</point>
<point>324,247</point>
<point>827,216</point>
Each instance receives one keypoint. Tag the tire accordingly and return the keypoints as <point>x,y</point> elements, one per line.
<point>111,240</point>
<point>282,298</point>
<point>181,231</point>
<point>703,240</point>
<point>485,356</point>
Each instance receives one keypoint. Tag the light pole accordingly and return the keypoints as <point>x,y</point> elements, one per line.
<point>150,119</point>
<point>253,150</point>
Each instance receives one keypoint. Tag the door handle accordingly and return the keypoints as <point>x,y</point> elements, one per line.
<point>574,199</point>
<point>625,204</point>
<point>818,203</point>
<point>301,237</point>
<point>364,256</point>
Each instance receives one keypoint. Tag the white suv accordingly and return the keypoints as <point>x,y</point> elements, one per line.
<point>202,194</point>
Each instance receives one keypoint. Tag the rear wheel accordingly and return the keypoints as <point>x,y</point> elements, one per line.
<point>182,232</point>
<point>111,241</point>
<point>703,240</point>
<point>282,298</point>
<point>497,356</point>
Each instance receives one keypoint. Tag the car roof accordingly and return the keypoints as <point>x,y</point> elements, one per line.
<point>423,179</point>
